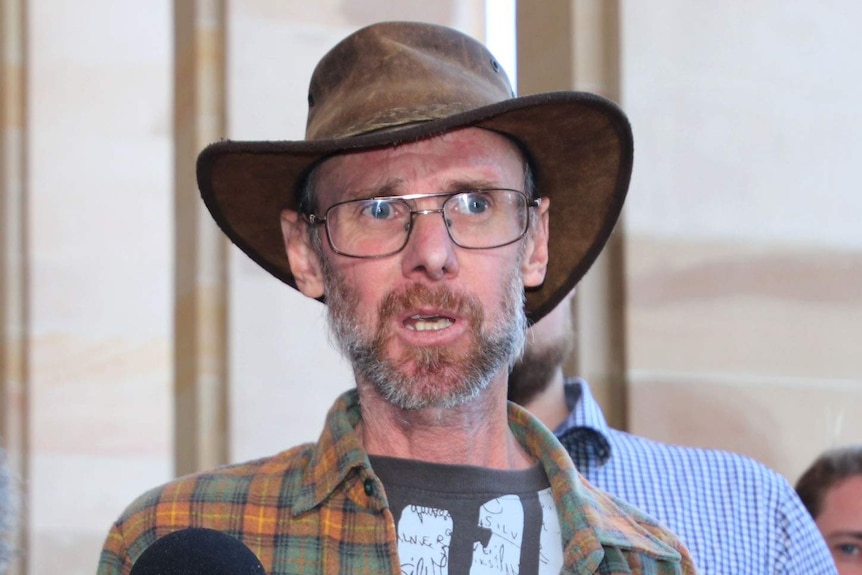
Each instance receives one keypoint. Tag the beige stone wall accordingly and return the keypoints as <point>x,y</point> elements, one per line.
<point>99,259</point>
<point>727,314</point>
<point>743,249</point>
<point>742,257</point>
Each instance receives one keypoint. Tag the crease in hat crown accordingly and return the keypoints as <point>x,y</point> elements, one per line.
<point>395,74</point>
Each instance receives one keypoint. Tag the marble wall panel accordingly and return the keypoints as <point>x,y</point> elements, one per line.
<point>781,422</point>
<point>736,308</point>
<point>743,250</point>
<point>745,348</point>
<point>100,235</point>
<point>744,120</point>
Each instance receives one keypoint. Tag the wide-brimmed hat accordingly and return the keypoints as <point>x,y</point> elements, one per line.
<point>397,82</point>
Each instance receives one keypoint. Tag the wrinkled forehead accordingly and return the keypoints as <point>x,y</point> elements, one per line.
<point>469,157</point>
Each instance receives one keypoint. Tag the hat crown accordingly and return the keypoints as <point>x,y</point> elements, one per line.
<point>399,73</point>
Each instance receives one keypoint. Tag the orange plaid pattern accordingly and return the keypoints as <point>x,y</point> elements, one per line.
<point>319,508</point>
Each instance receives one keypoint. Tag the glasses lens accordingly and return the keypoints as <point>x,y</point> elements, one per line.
<point>368,228</point>
<point>486,218</point>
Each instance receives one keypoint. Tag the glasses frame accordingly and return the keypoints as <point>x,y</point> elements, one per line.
<point>317,220</point>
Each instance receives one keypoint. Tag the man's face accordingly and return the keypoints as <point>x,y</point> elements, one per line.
<point>549,343</point>
<point>840,522</point>
<point>434,324</point>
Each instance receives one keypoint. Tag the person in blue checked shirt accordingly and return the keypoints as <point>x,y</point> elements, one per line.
<point>734,514</point>
<point>419,209</point>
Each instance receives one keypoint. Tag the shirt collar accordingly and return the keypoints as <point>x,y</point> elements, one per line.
<point>585,432</point>
<point>594,519</point>
<point>338,457</point>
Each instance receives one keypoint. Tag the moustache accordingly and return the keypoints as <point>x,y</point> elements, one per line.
<point>440,297</point>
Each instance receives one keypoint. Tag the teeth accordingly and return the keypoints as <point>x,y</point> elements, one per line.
<point>430,324</point>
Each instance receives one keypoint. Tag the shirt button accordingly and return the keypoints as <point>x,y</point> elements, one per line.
<point>369,487</point>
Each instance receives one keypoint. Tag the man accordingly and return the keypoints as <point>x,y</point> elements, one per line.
<point>831,490</point>
<point>733,514</point>
<point>412,210</point>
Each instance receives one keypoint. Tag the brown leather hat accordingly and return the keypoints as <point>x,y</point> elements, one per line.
<point>397,82</point>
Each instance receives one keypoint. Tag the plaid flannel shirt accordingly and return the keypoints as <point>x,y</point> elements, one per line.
<point>319,508</point>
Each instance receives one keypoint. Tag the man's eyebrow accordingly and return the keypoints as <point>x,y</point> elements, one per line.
<point>470,184</point>
<point>391,187</point>
<point>850,534</point>
<point>395,187</point>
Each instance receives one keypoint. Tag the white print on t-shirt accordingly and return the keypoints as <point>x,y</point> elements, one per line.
<point>551,541</point>
<point>423,540</point>
<point>424,535</point>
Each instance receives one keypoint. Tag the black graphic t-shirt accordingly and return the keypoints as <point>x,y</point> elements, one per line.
<point>464,519</point>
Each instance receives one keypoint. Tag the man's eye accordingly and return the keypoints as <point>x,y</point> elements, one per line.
<point>850,549</point>
<point>474,203</point>
<point>379,210</point>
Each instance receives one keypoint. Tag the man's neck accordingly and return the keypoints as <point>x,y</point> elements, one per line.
<point>475,433</point>
<point>550,406</point>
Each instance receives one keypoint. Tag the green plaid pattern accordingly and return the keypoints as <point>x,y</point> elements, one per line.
<point>319,508</point>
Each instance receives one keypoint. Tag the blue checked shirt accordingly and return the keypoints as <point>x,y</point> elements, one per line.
<point>736,516</point>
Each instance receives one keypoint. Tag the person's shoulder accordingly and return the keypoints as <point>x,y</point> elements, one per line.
<point>753,508</point>
<point>210,498</point>
<point>716,464</point>
<point>634,536</point>
<point>219,482</point>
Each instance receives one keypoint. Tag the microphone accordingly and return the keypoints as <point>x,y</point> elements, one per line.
<point>197,551</point>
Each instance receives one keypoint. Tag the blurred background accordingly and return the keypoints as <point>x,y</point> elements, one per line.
<point>137,345</point>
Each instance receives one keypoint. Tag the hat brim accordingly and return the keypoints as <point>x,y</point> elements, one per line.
<point>579,146</point>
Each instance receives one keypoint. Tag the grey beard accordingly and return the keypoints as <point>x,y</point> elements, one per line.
<point>467,375</point>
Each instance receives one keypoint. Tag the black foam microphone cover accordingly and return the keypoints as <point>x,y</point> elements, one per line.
<point>197,551</point>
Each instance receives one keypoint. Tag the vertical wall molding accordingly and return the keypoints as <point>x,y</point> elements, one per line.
<point>574,44</point>
<point>200,316</point>
<point>14,380</point>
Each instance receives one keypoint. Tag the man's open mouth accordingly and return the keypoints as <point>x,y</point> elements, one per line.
<point>428,322</point>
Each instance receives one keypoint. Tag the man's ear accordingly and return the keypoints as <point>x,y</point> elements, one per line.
<point>304,263</point>
<point>535,262</point>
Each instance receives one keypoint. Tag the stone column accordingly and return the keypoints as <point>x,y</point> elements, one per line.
<point>200,323</point>
<point>14,397</point>
<point>574,45</point>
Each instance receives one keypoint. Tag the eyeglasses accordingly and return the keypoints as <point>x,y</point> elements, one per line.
<point>380,226</point>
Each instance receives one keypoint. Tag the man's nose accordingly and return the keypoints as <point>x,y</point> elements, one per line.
<point>429,250</point>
